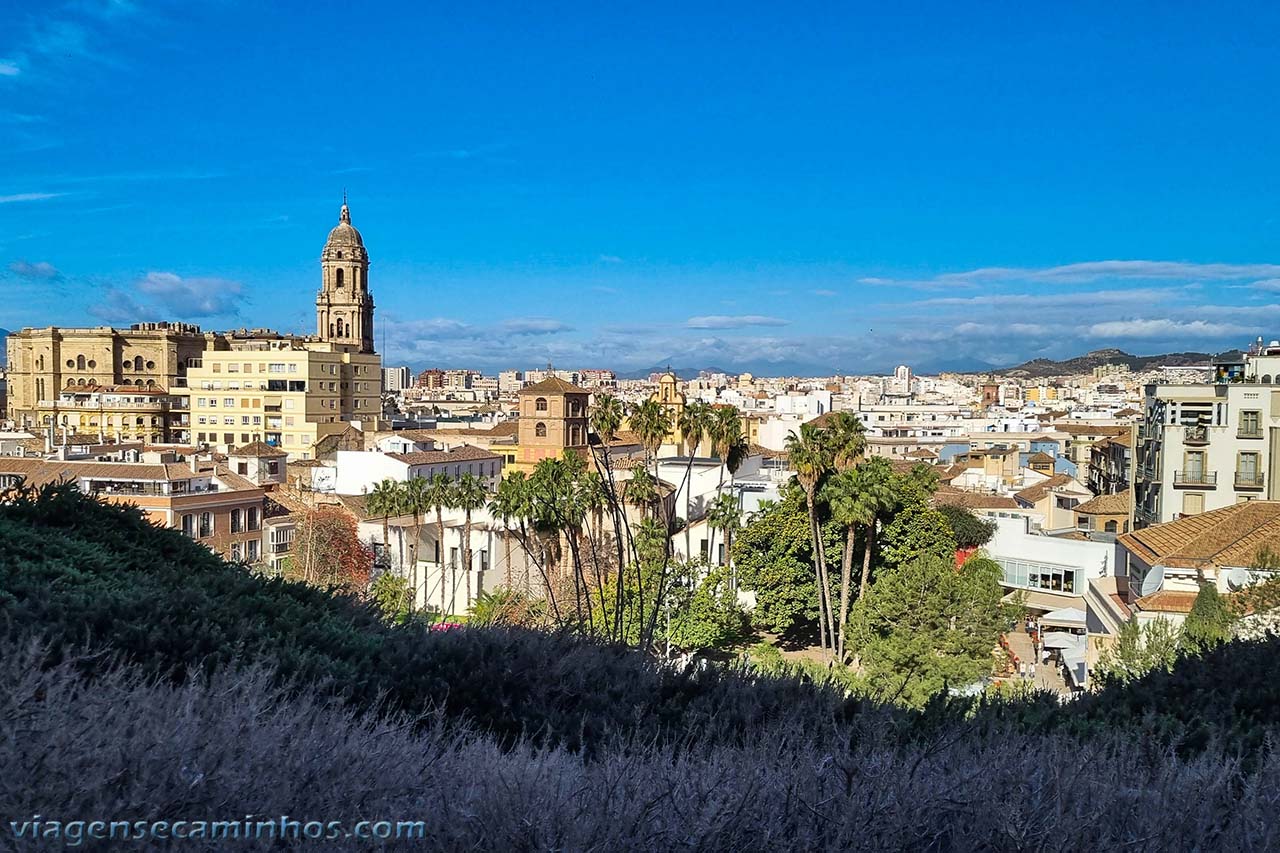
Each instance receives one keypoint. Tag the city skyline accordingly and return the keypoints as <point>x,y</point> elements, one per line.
<point>838,192</point>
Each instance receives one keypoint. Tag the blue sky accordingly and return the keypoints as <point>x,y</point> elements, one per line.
<point>775,187</point>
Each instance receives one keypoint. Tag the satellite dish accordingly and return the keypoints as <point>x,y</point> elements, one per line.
<point>1238,579</point>
<point>1153,580</point>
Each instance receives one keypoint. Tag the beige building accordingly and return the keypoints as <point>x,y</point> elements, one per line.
<point>287,394</point>
<point>553,418</point>
<point>44,363</point>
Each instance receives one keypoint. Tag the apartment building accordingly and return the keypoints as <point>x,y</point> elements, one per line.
<point>1206,446</point>
<point>396,379</point>
<point>207,502</point>
<point>285,393</point>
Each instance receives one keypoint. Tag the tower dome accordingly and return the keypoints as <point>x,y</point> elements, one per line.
<point>344,235</point>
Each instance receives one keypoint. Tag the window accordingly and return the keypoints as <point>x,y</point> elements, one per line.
<point>339,281</point>
<point>252,521</point>
<point>79,362</point>
<point>229,402</point>
<point>540,430</point>
<point>1110,527</point>
<point>1192,503</point>
<point>540,404</point>
<point>1251,423</point>
<point>235,521</point>
<point>242,468</point>
<point>235,552</point>
<point>251,550</point>
<point>206,524</point>
<point>189,525</point>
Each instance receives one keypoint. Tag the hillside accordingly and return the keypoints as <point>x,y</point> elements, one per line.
<point>1042,367</point>
<point>503,739</point>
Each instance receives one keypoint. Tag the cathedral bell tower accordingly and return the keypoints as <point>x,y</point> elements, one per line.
<point>344,306</point>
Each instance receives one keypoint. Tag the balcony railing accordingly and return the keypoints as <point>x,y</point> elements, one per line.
<point>1246,432</point>
<point>1195,435</point>
<point>1205,479</point>
<point>1249,480</point>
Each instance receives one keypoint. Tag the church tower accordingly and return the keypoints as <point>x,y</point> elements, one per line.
<point>344,306</point>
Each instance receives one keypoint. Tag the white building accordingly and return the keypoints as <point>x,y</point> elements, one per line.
<point>1206,446</point>
<point>396,379</point>
<point>359,471</point>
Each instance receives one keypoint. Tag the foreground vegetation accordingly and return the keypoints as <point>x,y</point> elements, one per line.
<point>141,675</point>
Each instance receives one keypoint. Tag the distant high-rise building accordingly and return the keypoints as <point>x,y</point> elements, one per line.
<point>396,378</point>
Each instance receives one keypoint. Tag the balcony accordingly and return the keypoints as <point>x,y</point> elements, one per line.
<point>1249,433</point>
<point>1195,436</point>
<point>1249,480</point>
<point>1195,479</point>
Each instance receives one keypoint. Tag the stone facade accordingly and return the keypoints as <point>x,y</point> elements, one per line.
<point>344,306</point>
<point>553,417</point>
<point>42,363</point>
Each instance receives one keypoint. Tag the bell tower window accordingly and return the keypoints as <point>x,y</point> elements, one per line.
<point>339,278</point>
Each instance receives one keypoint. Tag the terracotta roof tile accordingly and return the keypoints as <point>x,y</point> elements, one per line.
<point>258,450</point>
<point>1230,536</point>
<point>1168,601</point>
<point>463,453</point>
<point>1117,504</point>
<point>553,385</point>
<point>1036,493</point>
<point>950,496</point>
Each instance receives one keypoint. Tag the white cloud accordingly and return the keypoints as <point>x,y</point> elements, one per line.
<point>1164,328</point>
<point>533,326</point>
<point>610,259</point>
<point>824,292</point>
<point>193,297</point>
<point>10,199</point>
<point>38,270</point>
<point>9,68</point>
<point>722,321</point>
<point>1087,272</point>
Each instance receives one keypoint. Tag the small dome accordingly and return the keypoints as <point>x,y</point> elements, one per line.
<point>344,233</point>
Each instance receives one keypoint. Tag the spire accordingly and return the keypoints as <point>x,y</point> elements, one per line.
<point>344,215</point>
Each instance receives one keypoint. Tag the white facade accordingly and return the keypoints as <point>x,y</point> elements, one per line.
<point>396,379</point>
<point>359,471</point>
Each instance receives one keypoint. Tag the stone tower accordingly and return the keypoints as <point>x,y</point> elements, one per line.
<point>344,306</point>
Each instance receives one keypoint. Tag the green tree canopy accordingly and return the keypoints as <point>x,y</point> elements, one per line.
<point>1209,622</point>
<point>926,625</point>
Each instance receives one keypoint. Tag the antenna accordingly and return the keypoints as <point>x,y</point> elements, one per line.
<point>1152,581</point>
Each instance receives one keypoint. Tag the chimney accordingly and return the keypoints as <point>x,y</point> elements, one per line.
<point>192,457</point>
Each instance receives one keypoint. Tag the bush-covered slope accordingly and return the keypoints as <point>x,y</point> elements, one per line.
<point>80,573</point>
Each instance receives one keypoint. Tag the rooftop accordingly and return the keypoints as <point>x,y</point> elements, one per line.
<point>1231,536</point>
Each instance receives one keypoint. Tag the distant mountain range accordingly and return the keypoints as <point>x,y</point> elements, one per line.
<point>1041,367</point>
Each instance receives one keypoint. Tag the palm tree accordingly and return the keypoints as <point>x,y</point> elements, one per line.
<point>727,440</point>
<point>694,425</point>
<point>810,458</point>
<point>726,516</point>
<point>438,494</point>
<point>607,414</point>
<point>640,490</point>
<point>847,438</point>
<point>876,496</point>
<point>384,501</point>
<point>652,422</point>
<point>416,498</point>
<point>468,494</point>
<point>505,505</point>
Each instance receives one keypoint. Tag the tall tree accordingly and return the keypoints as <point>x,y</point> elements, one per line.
<point>438,494</point>
<point>856,497</point>
<point>846,438</point>
<point>418,500</point>
<point>468,494</point>
<point>384,502</point>
<point>810,458</point>
<point>726,516</point>
<point>695,420</point>
<point>874,484</point>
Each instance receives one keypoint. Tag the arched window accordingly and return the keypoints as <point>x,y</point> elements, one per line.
<point>540,404</point>
<point>79,362</point>
<point>137,362</point>
<point>1266,379</point>
<point>339,279</point>
<point>1111,527</point>
<point>151,383</point>
<point>81,383</point>
<point>339,324</point>
<point>331,330</point>
<point>92,364</point>
<point>540,430</point>
<point>339,254</point>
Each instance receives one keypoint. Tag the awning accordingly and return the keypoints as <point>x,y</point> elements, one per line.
<point>1067,617</point>
<point>1059,640</point>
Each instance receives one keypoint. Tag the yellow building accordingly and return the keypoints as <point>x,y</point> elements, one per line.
<point>123,413</point>
<point>287,394</point>
<point>1042,394</point>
